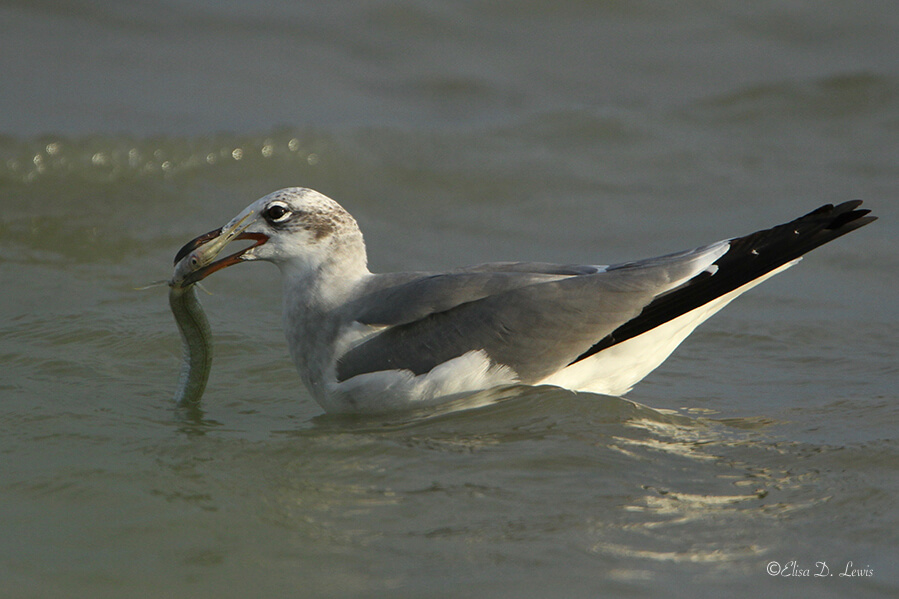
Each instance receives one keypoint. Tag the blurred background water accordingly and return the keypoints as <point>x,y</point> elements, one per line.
<point>456,133</point>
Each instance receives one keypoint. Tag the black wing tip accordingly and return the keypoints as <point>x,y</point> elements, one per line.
<point>793,239</point>
<point>748,257</point>
<point>845,217</point>
<point>849,213</point>
<point>841,215</point>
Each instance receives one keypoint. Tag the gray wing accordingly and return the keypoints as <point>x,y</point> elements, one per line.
<point>403,298</point>
<point>538,318</point>
<point>533,322</point>
<point>407,301</point>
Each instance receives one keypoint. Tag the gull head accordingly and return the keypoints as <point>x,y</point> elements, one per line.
<point>298,229</point>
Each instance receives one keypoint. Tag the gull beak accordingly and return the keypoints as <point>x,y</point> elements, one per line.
<point>203,250</point>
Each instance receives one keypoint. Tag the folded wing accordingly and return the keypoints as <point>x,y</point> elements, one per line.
<point>533,318</point>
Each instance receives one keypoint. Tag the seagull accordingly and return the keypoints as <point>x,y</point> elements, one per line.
<point>367,343</point>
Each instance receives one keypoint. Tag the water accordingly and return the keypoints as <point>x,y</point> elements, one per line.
<point>456,134</point>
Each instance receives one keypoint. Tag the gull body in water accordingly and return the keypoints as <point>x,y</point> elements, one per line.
<point>365,342</point>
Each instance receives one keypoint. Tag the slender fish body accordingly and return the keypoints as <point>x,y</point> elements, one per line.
<point>196,336</point>
<point>196,344</point>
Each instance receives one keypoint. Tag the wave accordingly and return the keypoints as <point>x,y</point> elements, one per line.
<point>110,158</point>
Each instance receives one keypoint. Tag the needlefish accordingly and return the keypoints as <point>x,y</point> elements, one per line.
<point>193,262</point>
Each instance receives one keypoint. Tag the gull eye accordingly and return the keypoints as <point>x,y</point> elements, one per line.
<point>276,213</point>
